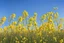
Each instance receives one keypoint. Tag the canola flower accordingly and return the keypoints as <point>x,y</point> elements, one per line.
<point>3,19</point>
<point>18,32</point>
<point>55,39</point>
<point>20,19</point>
<point>61,41</point>
<point>14,23</point>
<point>43,17</point>
<point>13,16</point>
<point>56,15</point>
<point>25,14</point>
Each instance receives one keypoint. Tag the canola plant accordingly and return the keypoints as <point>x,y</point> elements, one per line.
<point>26,29</point>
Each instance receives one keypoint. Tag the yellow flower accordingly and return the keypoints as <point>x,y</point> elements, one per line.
<point>35,14</point>
<point>1,29</point>
<point>19,25</point>
<point>59,26</point>
<point>56,15</point>
<point>55,39</point>
<point>61,41</point>
<point>41,40</point>
<point>3,19</point>
<point>50,19</point>
<point>31,19</point>
<point>20,36</point>
<point>20,19</point>
<point>21,41</point>
<point>16,38</point>
<point>35,23</point>
<point>4,38</point>
<point>5,28</point>
<point>35,41</point>
<point>50,13</point>
<point>30,24</point>
<point>24,38</point>
<point>12,26</point>
<point>25,13</point>
<point>34,18</point>
<point>14,23</point>
<point>17,42</point>
<point>13,15</point>
<point>43,17</point>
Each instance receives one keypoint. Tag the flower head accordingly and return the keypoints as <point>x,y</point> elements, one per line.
<point>3,19</point>
<point>13,15</point>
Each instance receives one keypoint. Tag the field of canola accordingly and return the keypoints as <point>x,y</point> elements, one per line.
<point>26,29</point>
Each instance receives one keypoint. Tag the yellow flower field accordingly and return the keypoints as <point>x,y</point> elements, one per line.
<point>26,29</point>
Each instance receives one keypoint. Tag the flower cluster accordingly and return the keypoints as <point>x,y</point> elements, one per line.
<point>27,30</point>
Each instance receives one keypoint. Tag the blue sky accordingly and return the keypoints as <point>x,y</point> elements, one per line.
<point>7,7</point>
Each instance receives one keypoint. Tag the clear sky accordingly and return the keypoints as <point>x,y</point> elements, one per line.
<point>7,7</point>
